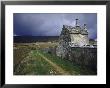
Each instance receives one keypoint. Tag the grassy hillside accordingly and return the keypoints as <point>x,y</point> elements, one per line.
<point>30,60</point>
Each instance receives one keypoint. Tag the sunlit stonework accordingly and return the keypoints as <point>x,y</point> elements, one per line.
<point>70,36</point>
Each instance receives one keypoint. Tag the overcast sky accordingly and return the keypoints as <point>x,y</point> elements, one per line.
<point>50,24</point>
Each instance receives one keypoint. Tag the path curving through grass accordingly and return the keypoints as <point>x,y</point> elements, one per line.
<point>57,68</point>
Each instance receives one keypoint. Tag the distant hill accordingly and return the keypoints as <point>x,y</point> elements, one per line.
<point>32,39</point>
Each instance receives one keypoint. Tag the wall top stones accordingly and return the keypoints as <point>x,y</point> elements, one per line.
<point>75,30</point>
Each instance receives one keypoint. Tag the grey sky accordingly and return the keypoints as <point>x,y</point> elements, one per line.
<point>50,24</point>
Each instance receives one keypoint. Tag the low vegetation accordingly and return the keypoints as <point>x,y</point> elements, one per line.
<point>29,59</point>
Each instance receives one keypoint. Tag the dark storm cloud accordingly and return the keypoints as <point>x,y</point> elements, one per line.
<point>48,24</point>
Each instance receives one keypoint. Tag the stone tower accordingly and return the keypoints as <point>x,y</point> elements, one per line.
<point>72,37</point>
<point>75,36</point>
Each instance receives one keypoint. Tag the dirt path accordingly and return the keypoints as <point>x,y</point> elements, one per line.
<point>57,68</point>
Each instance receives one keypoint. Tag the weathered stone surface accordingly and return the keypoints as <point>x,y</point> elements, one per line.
<point>84,56</point>
<point>74,46</point>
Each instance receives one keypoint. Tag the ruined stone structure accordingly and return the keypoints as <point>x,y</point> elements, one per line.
<point>76,38</point>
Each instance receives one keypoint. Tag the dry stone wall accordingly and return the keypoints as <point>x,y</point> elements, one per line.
<point>84,56</point>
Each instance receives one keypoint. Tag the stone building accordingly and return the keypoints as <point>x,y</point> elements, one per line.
<point>72,37</point>
<point>75,36</point>
<point>74,44</point>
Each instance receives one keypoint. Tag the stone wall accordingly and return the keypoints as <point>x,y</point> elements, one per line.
<point>84,56</point>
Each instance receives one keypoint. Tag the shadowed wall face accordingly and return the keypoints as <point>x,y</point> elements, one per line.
<point>84,56</point>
